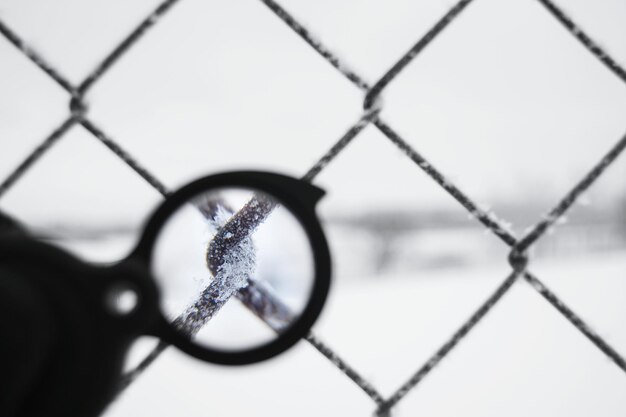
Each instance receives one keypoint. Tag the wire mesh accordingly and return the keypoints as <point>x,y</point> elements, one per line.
<point>519,246</point>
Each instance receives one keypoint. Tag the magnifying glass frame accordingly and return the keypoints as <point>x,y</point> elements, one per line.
<point>300,198</point>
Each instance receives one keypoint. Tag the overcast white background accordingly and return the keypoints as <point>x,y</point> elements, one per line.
<point>505,102</point>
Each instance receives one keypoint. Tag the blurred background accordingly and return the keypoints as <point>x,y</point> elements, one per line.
<point>505,102</point>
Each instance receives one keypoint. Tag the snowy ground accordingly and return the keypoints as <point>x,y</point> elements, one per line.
<point>523,359</point>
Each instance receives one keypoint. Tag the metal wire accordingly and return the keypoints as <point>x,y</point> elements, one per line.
<point>517,258</point>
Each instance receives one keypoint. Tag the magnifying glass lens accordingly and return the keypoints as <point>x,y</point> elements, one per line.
<point>235,269</point>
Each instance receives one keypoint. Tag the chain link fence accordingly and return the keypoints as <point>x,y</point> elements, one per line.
<point>518,245</point>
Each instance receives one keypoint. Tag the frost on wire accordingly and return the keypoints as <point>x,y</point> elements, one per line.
<point>230,257</point>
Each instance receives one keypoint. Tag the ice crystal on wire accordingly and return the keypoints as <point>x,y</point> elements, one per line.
<point>238,265</point>
<point>230,257</point>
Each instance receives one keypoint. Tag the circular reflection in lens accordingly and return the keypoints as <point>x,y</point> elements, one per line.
<point>235,268</point>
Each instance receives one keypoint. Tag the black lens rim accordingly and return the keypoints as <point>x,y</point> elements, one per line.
<point>299,197</point>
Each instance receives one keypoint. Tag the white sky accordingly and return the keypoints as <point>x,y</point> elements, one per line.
<point>505,100</point>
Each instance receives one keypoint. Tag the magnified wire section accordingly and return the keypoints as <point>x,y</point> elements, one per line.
<point>235,268</point>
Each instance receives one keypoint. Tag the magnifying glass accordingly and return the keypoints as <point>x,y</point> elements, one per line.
<point>232,269</point>
<point>241,265</point>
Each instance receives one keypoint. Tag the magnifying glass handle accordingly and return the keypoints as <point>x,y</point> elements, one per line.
<point>60,354</point>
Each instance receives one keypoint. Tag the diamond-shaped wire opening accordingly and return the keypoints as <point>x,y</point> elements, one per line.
<point>228,106</point>
<point>434,251</point>
<point>522,346</point>
<point>474,93</point>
